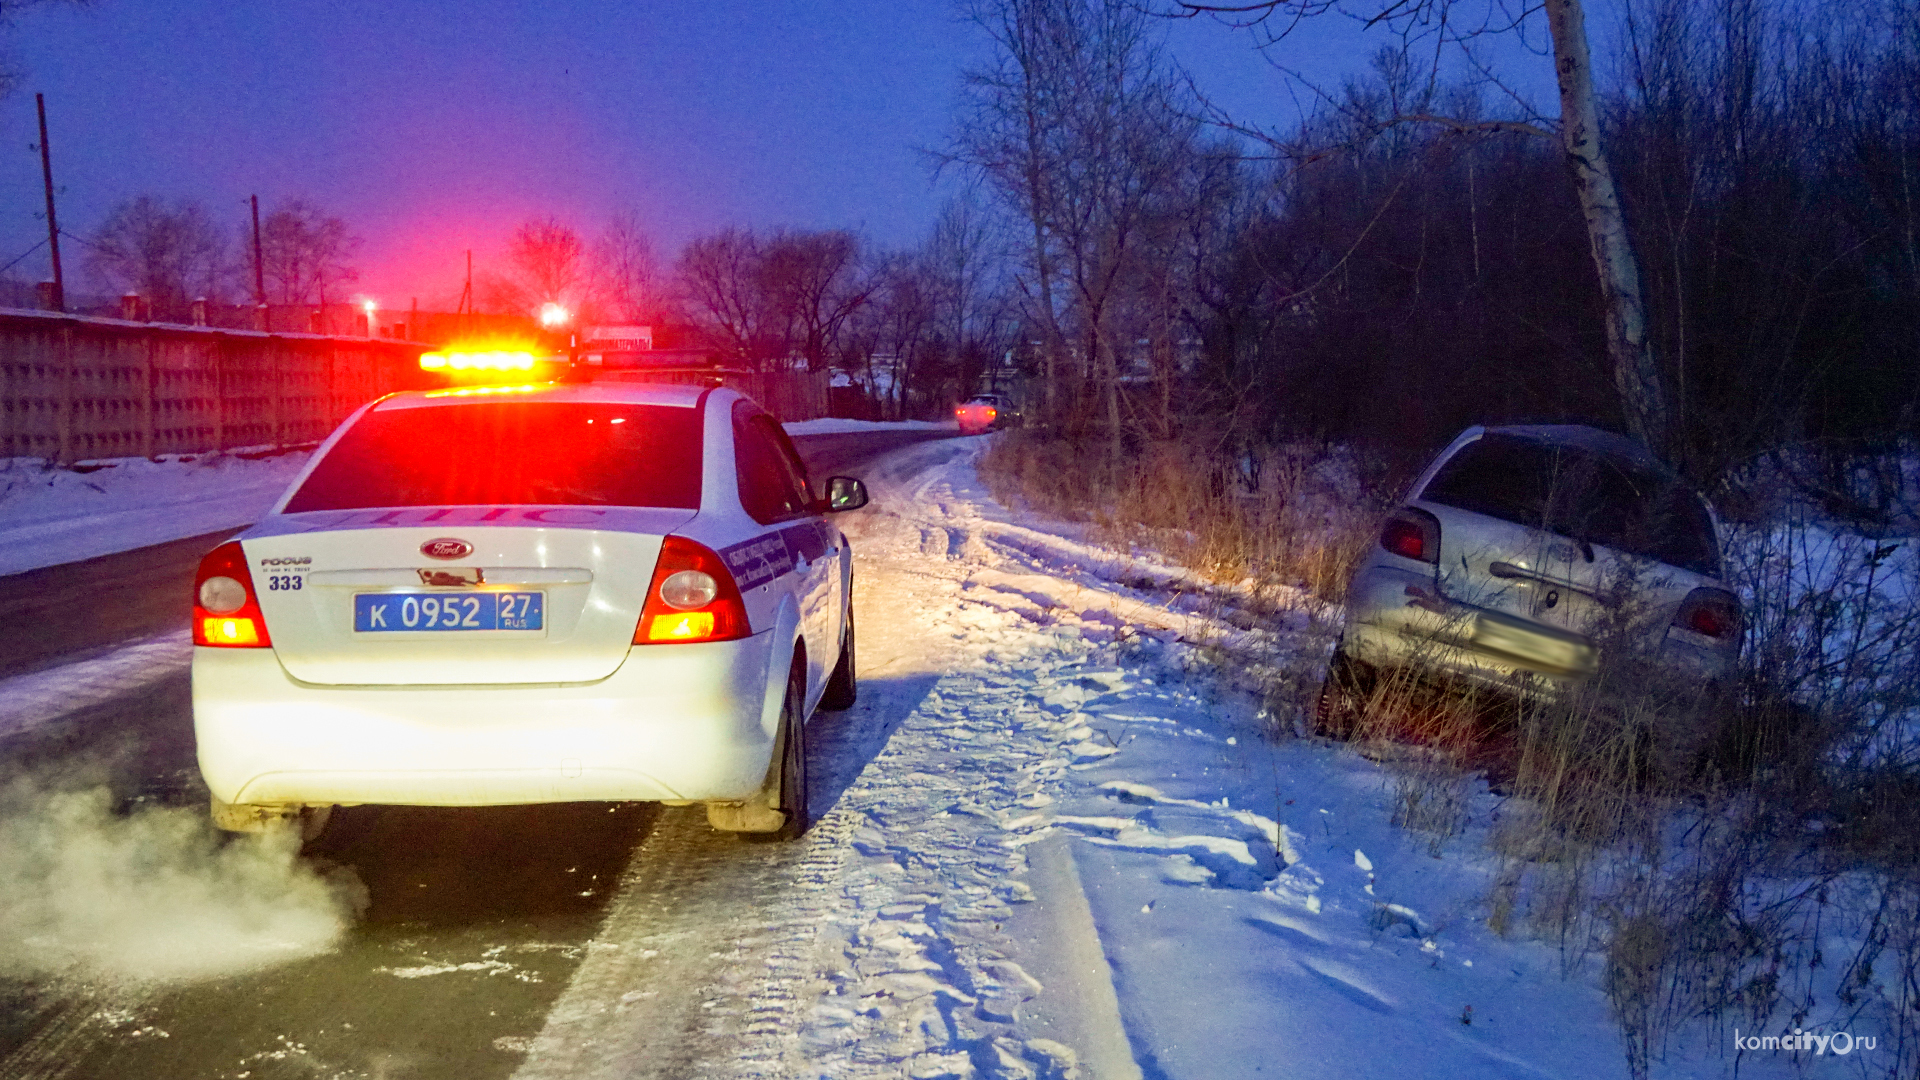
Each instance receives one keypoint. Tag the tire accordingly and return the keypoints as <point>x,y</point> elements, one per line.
<point>779,810</point>
<point>841,690</point>
<point>793,793</point>
<point>1336,714</point>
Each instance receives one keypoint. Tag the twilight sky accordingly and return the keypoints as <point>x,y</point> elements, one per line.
<point>433,128</point>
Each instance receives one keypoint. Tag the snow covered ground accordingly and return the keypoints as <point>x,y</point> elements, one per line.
<point>1081,853</point>
<point>50,516</point>
<point>1256,912</point>
<point>836,426</point>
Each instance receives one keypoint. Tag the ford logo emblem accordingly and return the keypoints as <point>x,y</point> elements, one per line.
<point>446,547</point>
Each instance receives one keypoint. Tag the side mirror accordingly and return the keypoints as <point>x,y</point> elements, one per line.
<point>845,493</point>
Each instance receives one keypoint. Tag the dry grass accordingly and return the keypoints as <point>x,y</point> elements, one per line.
<point>1745,855</point>
<point>1290,517</point>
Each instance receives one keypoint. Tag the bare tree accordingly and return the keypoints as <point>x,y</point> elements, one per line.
<point>719,277</point>
<point>813,281</point>
<point>961,257</point>
<point>905,316</point>
<point>627,277</point>
<point>1077,129</point>
<point>303,250</point>
<point>1437,26</point>
<point>168,253</point>
<point>1008,131</point>
<point>546,263</point>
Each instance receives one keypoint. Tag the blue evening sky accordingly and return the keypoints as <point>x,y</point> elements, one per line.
<point>434,128</point>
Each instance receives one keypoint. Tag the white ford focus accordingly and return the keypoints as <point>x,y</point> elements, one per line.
<point>560,593</point>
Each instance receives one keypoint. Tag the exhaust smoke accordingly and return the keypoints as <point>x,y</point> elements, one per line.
<point>155,895</point>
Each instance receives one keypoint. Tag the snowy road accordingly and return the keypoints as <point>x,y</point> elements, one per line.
<point>1053,841</point>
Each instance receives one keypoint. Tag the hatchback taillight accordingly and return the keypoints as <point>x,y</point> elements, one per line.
<point>1412,534</point>
<point>1713,613</point>
<point>226,611</point>
<point>692,598</point>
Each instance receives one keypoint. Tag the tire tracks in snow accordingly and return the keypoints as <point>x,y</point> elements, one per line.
<point>877,946</point>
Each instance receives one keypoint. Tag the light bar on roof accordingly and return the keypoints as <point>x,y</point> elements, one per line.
<point>477,361</point>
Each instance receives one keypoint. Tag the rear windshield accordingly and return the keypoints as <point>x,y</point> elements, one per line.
<point>511,453</point>
<point>1581,495</point>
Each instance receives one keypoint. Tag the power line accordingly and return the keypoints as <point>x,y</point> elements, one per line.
<point>83,240</point>
<point>24,254</point>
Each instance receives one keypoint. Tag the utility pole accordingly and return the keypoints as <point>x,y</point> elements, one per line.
<point>53,224</point>
<point>259,269</point>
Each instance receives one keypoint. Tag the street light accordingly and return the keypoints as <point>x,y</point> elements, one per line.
<point>553,316</point>
<point>369,307</point>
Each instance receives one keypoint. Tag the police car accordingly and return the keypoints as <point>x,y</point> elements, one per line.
<point>489,595</point>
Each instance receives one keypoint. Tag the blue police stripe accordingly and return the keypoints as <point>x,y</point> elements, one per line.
<point>757,561</point>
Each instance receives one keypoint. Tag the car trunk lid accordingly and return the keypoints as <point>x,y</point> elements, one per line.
<point>509,595</point>
<point>1561,538</point>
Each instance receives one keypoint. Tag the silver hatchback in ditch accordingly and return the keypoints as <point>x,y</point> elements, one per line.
<point>1523,554</point>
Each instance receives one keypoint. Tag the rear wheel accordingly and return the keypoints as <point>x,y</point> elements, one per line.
<point>841,690</point>
<point>779,810</point>
<point>793,768</point>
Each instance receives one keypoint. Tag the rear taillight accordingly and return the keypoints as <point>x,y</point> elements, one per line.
<point>226,611</point>
<point>1412,534</point>
<point>1713,613</point>
<point>692,598</point>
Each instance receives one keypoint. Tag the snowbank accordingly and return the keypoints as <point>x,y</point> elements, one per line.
<point>50,515</point>
<point>836,426</point>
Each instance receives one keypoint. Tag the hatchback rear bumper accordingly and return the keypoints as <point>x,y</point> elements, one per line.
<point>673,722</point>
<point>1397,619</point>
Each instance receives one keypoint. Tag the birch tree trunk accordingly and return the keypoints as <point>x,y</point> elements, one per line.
<point>1635,375</point>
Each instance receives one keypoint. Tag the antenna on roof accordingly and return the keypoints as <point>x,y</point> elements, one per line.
<point>466,295</point>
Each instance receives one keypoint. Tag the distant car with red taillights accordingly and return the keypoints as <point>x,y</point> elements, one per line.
<point>985,412</point>
<point>559,593</point>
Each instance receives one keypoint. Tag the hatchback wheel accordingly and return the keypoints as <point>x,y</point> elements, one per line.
<point>1337,712</point>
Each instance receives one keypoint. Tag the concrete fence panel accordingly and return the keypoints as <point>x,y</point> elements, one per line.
<point>78,388</point>
<point>75,388</point>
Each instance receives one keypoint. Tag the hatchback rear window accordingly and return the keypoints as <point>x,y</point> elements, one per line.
<point>511,453</point>
<point>1581,495</point>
